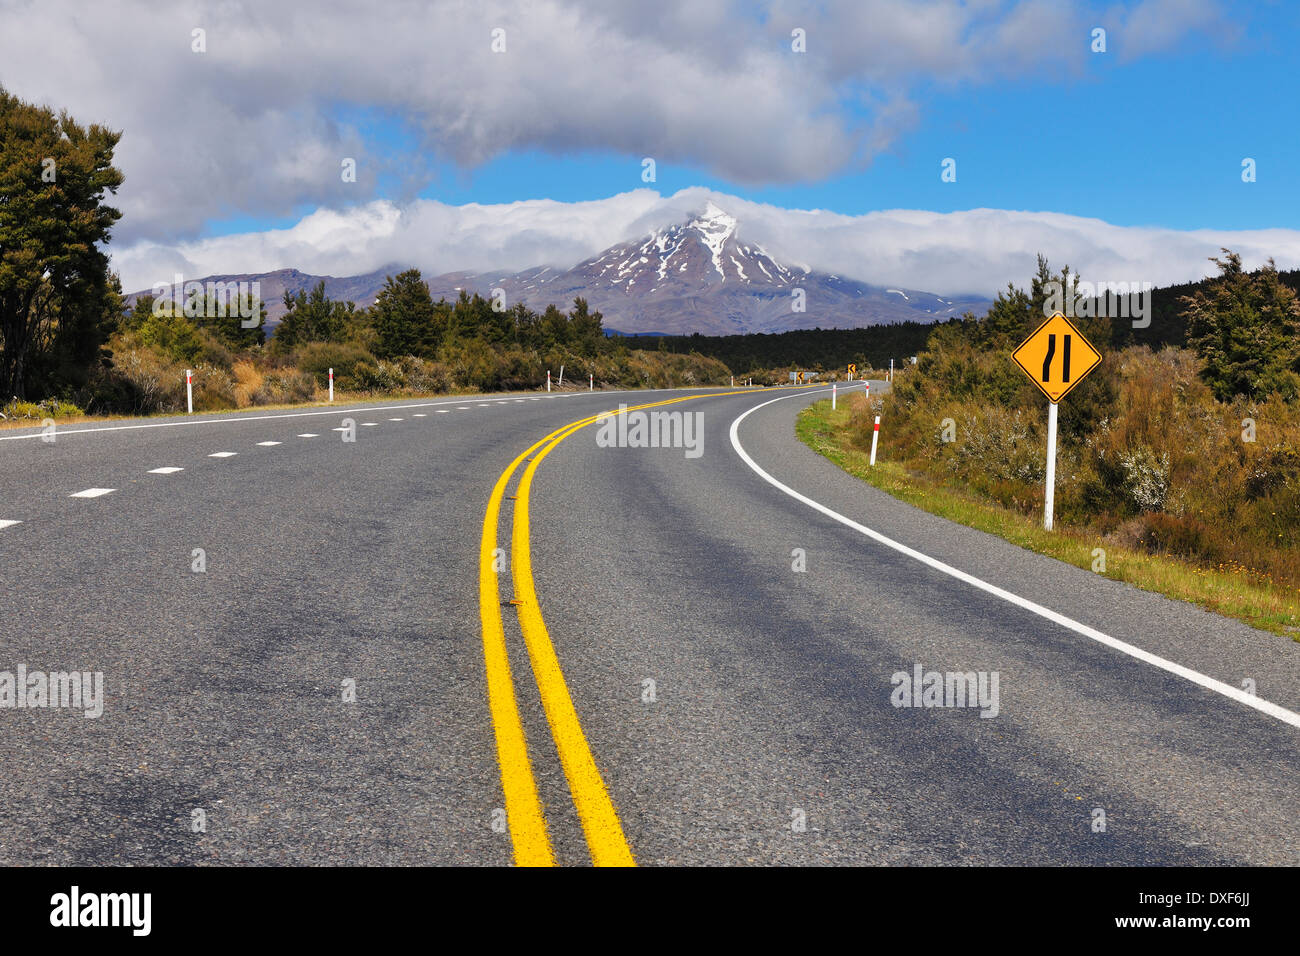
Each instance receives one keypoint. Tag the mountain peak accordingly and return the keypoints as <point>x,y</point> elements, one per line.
<point>714,227</point>
<point>714,214</point>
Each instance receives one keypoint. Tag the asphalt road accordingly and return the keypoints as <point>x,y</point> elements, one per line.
<point>734,709</point>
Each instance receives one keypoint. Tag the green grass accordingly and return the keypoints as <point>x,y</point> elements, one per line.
<point>1231,594</point>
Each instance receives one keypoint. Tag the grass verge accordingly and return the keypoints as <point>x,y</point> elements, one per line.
<point>1231,594</point>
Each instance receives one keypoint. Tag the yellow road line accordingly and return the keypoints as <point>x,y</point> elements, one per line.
<point>524,815</point>
<point>600,823</point>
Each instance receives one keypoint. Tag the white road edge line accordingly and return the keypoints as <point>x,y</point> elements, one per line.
<point>1196,677</point>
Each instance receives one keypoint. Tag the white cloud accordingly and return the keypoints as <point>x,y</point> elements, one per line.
<point>977,250</point>
<point>251,125</point>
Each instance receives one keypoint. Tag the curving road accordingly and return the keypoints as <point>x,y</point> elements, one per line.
<point>726,628</point>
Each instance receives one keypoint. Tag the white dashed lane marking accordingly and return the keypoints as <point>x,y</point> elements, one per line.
<point>419,415</point>
<point>267,444</point>
<point>92,492</point>
<point>444,411</point>
<point>169,470</point>
<point>5,523</point>
<point>223,454</point>
<point>369,424</point>
<point>308,435</point>
<point>397,419</point>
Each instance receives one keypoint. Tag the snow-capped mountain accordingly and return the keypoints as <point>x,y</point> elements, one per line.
<point>700,275</point>
<point>701,253</point>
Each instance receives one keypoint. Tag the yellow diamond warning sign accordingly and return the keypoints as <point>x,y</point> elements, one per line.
<point>1057,357</point>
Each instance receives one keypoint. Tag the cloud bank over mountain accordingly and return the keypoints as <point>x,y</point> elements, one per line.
<point>972,251</point>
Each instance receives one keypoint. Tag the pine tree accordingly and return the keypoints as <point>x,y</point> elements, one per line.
<point>1246,328</point>
<point>406,320</point>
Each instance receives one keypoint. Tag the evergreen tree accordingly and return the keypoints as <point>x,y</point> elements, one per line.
<point>1246,327</point>
<point>56,293</point>
<point>406,320</point>
<point>314,317</point>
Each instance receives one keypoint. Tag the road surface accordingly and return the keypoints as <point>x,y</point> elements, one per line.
<point>726,706</point>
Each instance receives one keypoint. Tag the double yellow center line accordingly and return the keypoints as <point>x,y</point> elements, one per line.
<point>524,815</point>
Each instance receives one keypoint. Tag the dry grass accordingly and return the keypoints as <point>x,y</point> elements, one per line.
<point>1233,587</point>
<point>248,379</point>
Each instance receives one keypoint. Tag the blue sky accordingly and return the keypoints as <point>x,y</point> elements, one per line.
<point>1157,141</point>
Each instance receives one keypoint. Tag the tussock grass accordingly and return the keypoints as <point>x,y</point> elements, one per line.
<point>1228,587</point>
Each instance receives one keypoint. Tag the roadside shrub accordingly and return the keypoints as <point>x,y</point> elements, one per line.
<point>377,376</point>
<point>50,408</point>
<point>214,389</point>
<point>425,376</point>
<point>317,358</point>
<point>284,387</point>
<point>173,335</point>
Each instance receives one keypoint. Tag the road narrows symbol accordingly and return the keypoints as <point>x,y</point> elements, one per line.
<point>1056,356</point>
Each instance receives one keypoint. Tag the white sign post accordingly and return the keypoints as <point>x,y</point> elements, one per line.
<point>331,385</point>
<point>189,390</point>
<point>1048,499</point>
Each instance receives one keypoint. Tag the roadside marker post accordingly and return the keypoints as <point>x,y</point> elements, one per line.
<point>875,437</point>
<point>591,384</point>
<point>548,379</point>
<point>331,385</point>
<point>832,396</point>
<point>891,370</point>
<point>1037,357</point>
<point>560,383</point>
<point>189,390</point>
